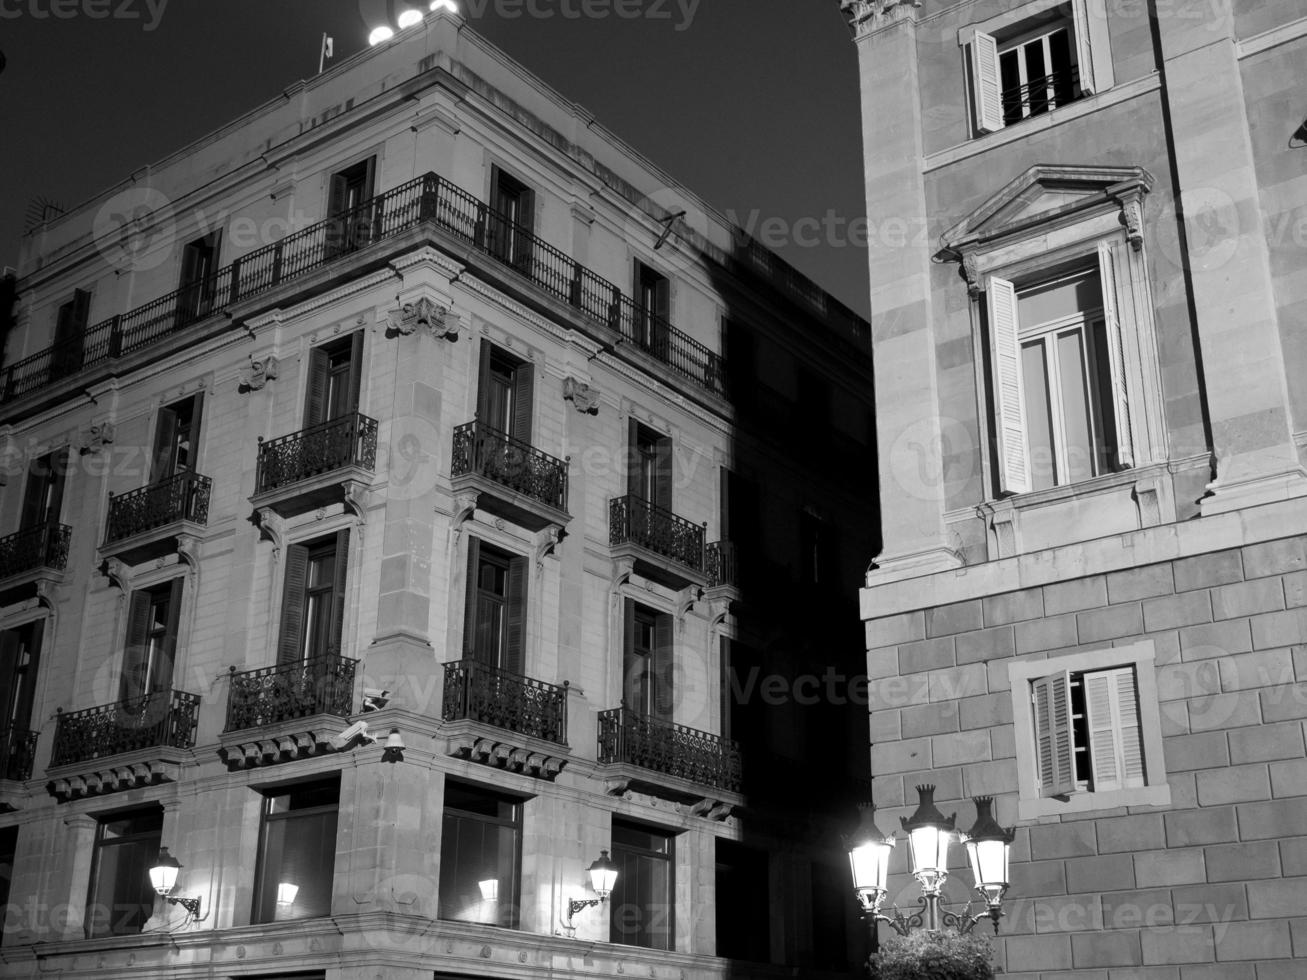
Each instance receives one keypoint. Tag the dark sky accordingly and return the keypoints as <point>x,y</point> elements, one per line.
<point>751,103</point>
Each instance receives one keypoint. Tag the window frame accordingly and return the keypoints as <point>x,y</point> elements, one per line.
<point>1023,673</point>
<point>97,853</point>
<point>512,902</point>
<point>267,794</point>
<point>139,639</point>
<point>510,655</point>
<point>668,859</point>
<point>291,644</point>
<point>656,665</point>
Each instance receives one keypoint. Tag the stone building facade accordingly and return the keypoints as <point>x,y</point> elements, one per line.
<point>1091,418</point>
<point>403,507</point>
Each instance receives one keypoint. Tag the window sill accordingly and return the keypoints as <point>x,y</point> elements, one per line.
<point>1032,808</point>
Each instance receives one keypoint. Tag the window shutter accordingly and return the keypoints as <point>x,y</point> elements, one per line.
<point>724,685</point>
<point>338,592</point>
<point>1093,53</point>
<point>1009,390</point>
<point>11,644</point>
<point>337,194</point>
<point>315,406</point>
<point>34,491</point>
<point>633,474</point>
<point>162,679</point>
<point>290,644</point>
<point>355,370</point>
<point>26,682</point>
<point>1112,710</point>
<point>523,392</point>
<point>483,380</point>
<point>515,628</point>
<point>663,668</point>
<point>1125,453</point>
<point>470,607</point>
<point>134,651</point>
<point>986,83</point>
<point>58,475</point>
<point>197,419</point>
<point>165,444</point>
<point>663,475</point>
<point>1051,697</point>
<point>81,310</point>
<point>631,668</point>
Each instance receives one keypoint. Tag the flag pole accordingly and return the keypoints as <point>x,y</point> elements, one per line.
<point>322,53</point>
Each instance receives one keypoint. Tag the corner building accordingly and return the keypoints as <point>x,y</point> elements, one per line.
<point>402,509</point>
<point>1091,419</point>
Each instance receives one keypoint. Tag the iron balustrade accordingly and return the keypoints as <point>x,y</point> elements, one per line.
<point>482,450</point>
<point>479,692</point>
<point>634,520</point>
<point>182,497</point>
<point>429,198</point>
<point>1041,95</point>
<point>719,564</point>
<point>347,440</point>
<point>320,686</point>
<point>668,748</point>
<point>17,752</point>
<point>43,546</point>
<point>164,719</point>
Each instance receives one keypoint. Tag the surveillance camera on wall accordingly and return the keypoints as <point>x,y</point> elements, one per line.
<point>357,731</point>
<point>374,699</point>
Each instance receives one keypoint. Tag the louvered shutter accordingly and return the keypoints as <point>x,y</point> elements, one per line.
<point>197,419</point>
<point>663,473</point>
<point>514,658</point>
<point>161,676</point>
<point>355,371</point>
<point>1112,711</point>
<point>58,477</point>
<point>1125,453</point>
<point>1093,52</point>
<point>483,381</point>
<point>1051,700</point>
<point>632,666</point>
<point>338,592</point>
<point>663,667</point>
<point>315,406</point>
<point>34,492</point>
<point>1009,390</point>
<point>523,394</point>
<point>11,645</point>
<point>634,468</point>
<point>290,643</point>
<point>135,650</point>
<point>25,697</point>
<point>986,83</point>
<point>165,444</point>
<point>470,604</point>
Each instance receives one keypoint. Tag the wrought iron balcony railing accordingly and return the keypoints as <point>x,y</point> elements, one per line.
<point>487,694</point>
<point>482,450</point>
<point>182,497</point>
<point>17,751</point>
<point>429,198</point>
<point>634,520</point>
<point>322,686</point>
<point>673,750</point>
<point>165,719</point>
<point>1041,95</point>
<point>347,440</point>
<point>719,564</point>
<point>43,546</point>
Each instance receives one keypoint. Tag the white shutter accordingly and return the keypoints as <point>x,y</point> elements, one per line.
<point>1051,702</point>
<point>1093,52</point>
<point>986,83</point>
<point>1009,390</point>
<point>1120,402</point>
<point>1115,749</point>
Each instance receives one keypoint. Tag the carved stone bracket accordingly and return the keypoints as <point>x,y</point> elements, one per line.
<point>426,315</point>
<point>712,809</point>
<point>583,398</point>
<point>1147,500</point>
<point>188,546</point>
<point>1002,524</point>
<point>97,438</point>
<point>685,601</point>
<point>547,539</point>
<point>861,14</point>
<point>1132,218</point>
<point>113,780</point>
<point>357,495</point>
<point>971,274</point>
<point>528,760</point>
<point>260,373</point>
<point>273,748</point>
<point>622,571</point>
<point>119,573</point>
<point>465,505</point>
<point>271,526</point>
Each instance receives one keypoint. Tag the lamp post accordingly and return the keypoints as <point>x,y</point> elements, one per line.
<point>929,835</point>
<point>163,876</point>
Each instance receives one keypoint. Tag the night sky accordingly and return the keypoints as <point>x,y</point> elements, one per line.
<point>751,103</point>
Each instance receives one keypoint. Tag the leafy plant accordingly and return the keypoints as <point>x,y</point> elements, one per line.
<point>927,955</point>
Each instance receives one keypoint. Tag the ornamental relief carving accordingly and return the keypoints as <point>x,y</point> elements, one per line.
<point>861,13</point>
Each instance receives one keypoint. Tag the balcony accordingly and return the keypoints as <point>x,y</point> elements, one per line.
<point>317,465</point>
<point>504,719</point>
<point>669,760</point>
<point>145,523</point>
<point>125,745</point>
<point>720,568</point>
<point>32,559</point>
<point>17,752</point>
<point>453,218</point>
<point>663,546</point>
<point>511,478</point>
<point>286,711</point>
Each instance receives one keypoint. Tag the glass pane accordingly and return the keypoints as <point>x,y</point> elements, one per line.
<point>1079,449</point>
<point>1036,71</point>
<point>1059,54</point>
<point>122,898</point>
<point>479,866</point>
<point>1101,400</point>
<point>1039,419</point>
<point>304,797</point>
<point>641,913</point>
<point>1057,300</point>
<point>299,856</point>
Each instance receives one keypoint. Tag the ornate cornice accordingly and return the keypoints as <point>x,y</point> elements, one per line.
<point>863,14</point>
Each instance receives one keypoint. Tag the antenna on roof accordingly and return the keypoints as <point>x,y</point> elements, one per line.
<point>328,51</point>
<point>668,223</point>
<point>41,209</point>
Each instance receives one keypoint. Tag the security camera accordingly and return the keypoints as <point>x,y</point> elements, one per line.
<point>358,730</point>
<point>374,699</point>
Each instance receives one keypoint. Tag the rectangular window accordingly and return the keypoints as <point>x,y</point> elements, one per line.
<point>743,918</point>
<point>1088,731</point>
<point>297,852</point>
<point>8,854</point>
<point>480,856</point>
<point>121,898</point>
<point>505,392</point>
<point>69,335</point>
<point>649,466</point>
<point>43,492</point>
<point>494,630</point>
<point>354,216</point>
<point>313,600</point>
<point>511,224</point>
<point>1029,66</point>
<point>335,379</point>
<point>20,660</point>
<point>642,904</point>
<point>653,310</point>
<point>818,551</point>
<point>1058,378</point>
<point>151,647</point>
<point>647,661</point>
<point>176,438</point>
<point>197,289</point>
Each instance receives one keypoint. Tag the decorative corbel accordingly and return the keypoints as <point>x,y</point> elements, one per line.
<point>188,550</point>
<point>583,398</point>
<point>1132,219</point>
<point>423,314</point>
<point>971,274</point>
<point>119,573</point>
<point>465,505</point>
<point>862,13</point>
<point>546,541</point>
<point>718,609</point>
<point>622,571</point>
<point>357,495</point>
<point>1147,500</point>
<point>261,372</point>
<point>685,601</point>
<point>271,526</point>
<point>97,438</point>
